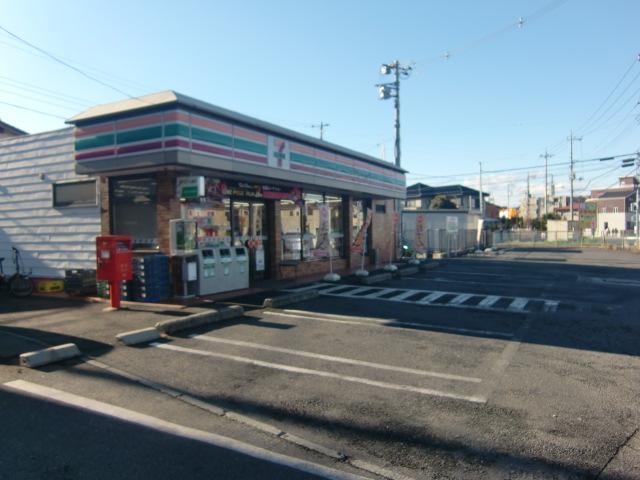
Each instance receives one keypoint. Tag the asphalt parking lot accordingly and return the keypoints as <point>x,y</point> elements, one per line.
<point>520,365</point>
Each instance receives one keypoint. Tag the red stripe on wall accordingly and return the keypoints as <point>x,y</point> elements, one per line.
<point>96,153</point>
<point>94,129</point>
<point>139,121</point>
<point>224,152</point>
<point>211,124</point>
<point>250,135</point>
<point>250,157</point>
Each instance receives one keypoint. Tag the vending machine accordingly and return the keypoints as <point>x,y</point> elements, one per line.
<point>209,278</point>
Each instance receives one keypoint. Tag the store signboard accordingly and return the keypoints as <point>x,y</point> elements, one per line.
<point>190,187</point>
<point>278,153</point>
<point>217,189</point>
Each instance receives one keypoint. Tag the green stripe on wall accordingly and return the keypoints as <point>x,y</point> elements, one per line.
<point>95,142</point>
<point>211,137</point>
<point>140,134</point>
<point>176,129</point>
<point>318,162</point>
<point>249,146</point>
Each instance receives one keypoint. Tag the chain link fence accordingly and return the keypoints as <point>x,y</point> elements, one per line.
<point>626,240</point>
<point>441,240</point>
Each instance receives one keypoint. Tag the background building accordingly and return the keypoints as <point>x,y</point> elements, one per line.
<point>47,210</point>
<point>421,196</point>
<point>616,206</point>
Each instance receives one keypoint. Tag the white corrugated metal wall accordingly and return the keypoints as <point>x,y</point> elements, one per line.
<point>50,239</point>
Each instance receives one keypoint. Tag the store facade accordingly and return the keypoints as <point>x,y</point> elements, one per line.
<point>290,199</point>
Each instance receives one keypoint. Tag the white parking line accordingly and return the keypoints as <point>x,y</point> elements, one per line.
<point>308,287</point>
<point>375,322</point>
<point>488,301</point>
<point>321,373</point>
<point>330,358</point>
<point>160,425</point>
<point>518,304</point>
<point>337,287</point>
<point>551,305</point>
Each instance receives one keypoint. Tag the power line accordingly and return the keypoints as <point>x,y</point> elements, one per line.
<point>28,97</point>
<point>519,23</point>
<point>31,110</point>
<point>68,65</point>
<point>633,63</point>
<point>505,170</point>
<point>114,78</point>
<point>29,87</point>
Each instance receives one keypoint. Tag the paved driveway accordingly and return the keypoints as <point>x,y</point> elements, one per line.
<point>523,365</point>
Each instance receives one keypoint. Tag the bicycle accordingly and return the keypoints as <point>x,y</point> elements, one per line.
<point>19,284</point>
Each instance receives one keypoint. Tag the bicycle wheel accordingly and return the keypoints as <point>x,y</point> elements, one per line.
<point>20,286</point>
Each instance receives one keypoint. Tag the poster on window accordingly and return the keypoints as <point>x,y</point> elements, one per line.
<point>358,243</point>
<point>259,255</point>
<point>323,242</point>
<point>420,244</point>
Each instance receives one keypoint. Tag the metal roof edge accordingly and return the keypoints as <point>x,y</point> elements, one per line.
<point>169,97</point>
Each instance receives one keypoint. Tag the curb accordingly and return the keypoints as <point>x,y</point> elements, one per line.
<point>294,297</point>
<point>134,337</point>
<point>49,355</point>
<point>199,319</point>
<point>403,272</point>
<point>377,278</point>
<point>429,266</point>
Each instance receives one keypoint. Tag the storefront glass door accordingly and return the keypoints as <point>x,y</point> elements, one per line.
<point>250,229</point>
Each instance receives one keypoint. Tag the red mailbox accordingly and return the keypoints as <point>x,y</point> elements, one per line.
<point>113,258</point>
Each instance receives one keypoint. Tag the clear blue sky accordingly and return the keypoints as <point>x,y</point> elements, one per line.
<point>499,101</point>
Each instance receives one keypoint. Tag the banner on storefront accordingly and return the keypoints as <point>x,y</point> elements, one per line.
<point>217,189</point>
<point>420,243</point>
<point>358,242</point>
<point>323,242</point>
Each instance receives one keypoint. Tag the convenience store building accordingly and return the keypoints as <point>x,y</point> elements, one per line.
<point>246,182</point>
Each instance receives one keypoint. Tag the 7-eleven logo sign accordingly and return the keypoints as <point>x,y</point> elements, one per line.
<point>278,153</point>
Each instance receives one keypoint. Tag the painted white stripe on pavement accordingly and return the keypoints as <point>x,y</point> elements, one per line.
<point>331,358</point>
<point>170,428</point>
<point>303,289</point>
<point>431,297</point>
<point>518,304</point>
<point>375,322</point>
<point>380,293</point>
<point>402,296</point>
<point>489,301</point>
<point>356,291</point>
<point>460,299</point>
<point>551,305</point>
<point>337,287</point>
<point>321,373</point>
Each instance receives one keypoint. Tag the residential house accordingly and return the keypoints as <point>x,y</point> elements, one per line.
<point>616,207</point>
<point>419,196</point>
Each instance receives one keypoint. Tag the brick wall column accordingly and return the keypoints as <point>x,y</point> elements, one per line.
<point>105,213</point>
<point>168,208</point>
<point>275,238</point>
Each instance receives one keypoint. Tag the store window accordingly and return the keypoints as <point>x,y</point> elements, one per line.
<point>311,232</point>
<point>133,210</point>
<point>291,231</point>
<point>337,224</point>
<point>213,219</point>
<point>75,194</point>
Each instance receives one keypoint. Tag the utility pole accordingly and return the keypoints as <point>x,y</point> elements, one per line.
<point>572,174</point>
<point>528,220</point>
<point>321,126</point>
<point>481,194</point>
<point>546,157</point>
<point>392,89</point>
